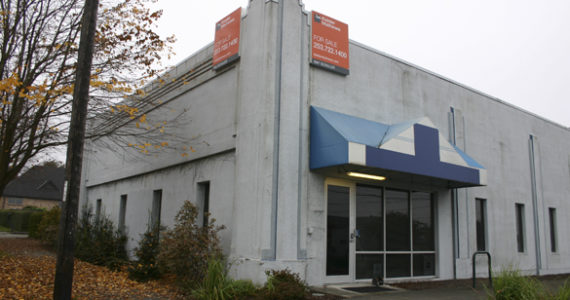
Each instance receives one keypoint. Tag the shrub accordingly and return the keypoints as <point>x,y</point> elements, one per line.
<point>99,242</point>
<point>34,223</point>
<point>283,284</point>
<point>5,218</point>
<point>145,267</point>
<point>186,248</point>
<point>49,226</point>
<point>510,285</point>
<point>217,285</point>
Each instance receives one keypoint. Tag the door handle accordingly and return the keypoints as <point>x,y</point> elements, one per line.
<point>354,235</point>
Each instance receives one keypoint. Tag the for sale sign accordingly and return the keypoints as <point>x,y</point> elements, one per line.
<point>329,44</point>
<point>226,42</point>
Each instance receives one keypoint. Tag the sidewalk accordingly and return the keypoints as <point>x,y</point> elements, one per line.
<point>462,293</point>
<point>8,235</point>
<point>439,293</point>
<point>434,290</point>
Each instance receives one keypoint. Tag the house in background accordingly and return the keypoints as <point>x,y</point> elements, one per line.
<point>40,186</point>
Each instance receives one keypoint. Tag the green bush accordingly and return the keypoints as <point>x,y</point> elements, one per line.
<point>99,242</point>
<point>49,226</point>
<point>17,220</point>
<point>145,267</point>
<point>511,285</point>
<point>34,223</point>
<point>5,218</point>
<point>284,284</point>
<point>186,248</point>
<point>218,286</point>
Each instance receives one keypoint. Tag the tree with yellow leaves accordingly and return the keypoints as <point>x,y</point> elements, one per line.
<point>38,54</point>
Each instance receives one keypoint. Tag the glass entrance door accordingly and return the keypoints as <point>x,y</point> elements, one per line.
<point>369,232</point>
<point>373,232</point>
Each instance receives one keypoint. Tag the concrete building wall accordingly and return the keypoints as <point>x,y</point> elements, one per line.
<point>178,184</point>
<point>249,128</point>
<point>496,134</point>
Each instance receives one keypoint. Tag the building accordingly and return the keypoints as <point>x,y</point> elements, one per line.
<point>273,140</point>
<point>40,186</point>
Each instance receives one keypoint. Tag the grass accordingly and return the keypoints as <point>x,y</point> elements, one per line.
<point>218,286</point>
<point>509,284</point>
<point>4,229</point>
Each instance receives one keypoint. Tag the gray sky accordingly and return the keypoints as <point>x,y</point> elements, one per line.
<point>515,50</point>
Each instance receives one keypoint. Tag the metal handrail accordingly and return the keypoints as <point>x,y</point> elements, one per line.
<point>489,263</point>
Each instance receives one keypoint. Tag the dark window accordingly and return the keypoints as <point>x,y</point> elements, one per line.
<point>422,222</point>
<point>424,264</point>
<point>204,201</point>
<point>481,217</point>
<point>519,210</point>
<point>369,221</point>
<point>122,213</point>
<point>552,215</point>
<point>369,266</point>
<point>98,205</point>
<point>338,206</point>
<point>156,207</point>
<point>15,201</point>
<point>398,265</point>
<point>397,221</point>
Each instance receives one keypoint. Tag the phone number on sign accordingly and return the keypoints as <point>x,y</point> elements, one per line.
<point>330,50</point>
<point>326,45</point>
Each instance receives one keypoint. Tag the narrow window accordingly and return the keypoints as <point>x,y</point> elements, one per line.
<point>519,211</point>
<point>98,210</point>
<point>204,201</point>
<point>481,224</point>
<point>156,207</point>
<point>122,213</point>
<point>552,215</point>
<point>338,227</point>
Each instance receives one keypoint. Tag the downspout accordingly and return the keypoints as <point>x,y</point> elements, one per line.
<point>454,204</point>
<point>535,205</point>
<point>272,255</point>
<point>301,254</point>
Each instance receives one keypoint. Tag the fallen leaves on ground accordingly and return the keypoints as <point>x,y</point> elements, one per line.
<point>26,275</point>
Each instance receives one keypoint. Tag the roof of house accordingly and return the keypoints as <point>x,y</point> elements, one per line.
<point>39,182</point>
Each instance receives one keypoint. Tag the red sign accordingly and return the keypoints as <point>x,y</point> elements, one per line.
<point>329,44</point>
<point>226,42</point>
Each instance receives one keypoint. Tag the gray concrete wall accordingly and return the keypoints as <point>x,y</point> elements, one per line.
<point>496,134</point>
<point>178,184</point>
<point>249,127</point>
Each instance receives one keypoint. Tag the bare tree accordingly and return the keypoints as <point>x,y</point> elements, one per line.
<point>38,49</point>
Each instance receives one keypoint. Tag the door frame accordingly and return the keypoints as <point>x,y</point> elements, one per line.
<point>352,225</point>
<point>351,276</point>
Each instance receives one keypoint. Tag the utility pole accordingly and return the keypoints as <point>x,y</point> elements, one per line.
<point>66,239</point>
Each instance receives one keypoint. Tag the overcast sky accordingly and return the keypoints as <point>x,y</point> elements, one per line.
<point>515,50</point>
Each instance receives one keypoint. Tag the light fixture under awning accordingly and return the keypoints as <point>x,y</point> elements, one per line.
<point>413,149</point>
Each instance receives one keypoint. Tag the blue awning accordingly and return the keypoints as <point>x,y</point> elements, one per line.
<point>409,151</point>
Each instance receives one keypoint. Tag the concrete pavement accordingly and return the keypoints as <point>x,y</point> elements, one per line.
<point>441,293</point>
<point>12,235</point>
